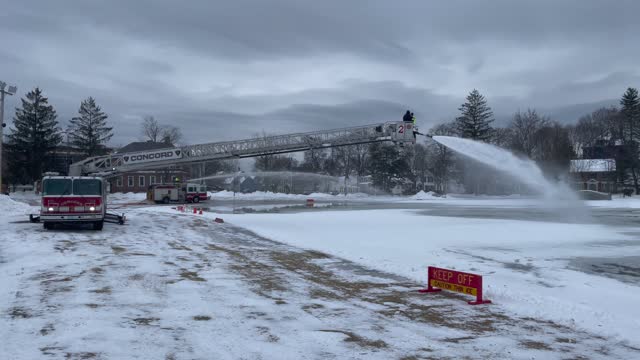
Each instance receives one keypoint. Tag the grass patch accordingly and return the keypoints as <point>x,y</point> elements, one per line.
<point>118,249</point>
<point>191,275</point>
<point>104,290</point>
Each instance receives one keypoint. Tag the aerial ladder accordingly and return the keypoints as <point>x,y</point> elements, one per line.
<point>400,133</point>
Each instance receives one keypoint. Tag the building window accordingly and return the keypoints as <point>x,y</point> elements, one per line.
<point>129,181</point>
<point>119,181</point>
<point>141,180</point>
<point>161,179</point>
<point>152,179</point>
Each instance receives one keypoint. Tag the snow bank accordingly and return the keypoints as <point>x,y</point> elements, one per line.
<point>617,202</point>
<point>10,207</point>
<point>125,198</point>
<point>424,196</point>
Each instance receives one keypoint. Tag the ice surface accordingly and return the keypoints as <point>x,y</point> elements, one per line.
<point>525,263</point>
<point>267,195</point>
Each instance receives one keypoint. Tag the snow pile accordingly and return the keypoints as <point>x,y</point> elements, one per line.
<point>424,196</point>
<point>126,198</point>
<point>618,202</point>
<point>10,207</point>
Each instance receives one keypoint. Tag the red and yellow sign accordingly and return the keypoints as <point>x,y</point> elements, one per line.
<point>466,283</point>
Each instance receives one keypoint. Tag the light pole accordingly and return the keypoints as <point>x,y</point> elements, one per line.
<point>10,91</point>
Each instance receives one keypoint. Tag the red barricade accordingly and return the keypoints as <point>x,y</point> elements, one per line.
<point>466,283</point>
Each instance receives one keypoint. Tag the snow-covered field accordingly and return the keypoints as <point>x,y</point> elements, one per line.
<point>525,262</point>
<point>178,286</point>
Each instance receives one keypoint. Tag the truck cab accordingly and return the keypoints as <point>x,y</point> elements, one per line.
<point>73,199</point>
<point>195,193</point>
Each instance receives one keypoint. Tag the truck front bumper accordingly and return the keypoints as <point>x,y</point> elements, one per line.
<point>70,217</point>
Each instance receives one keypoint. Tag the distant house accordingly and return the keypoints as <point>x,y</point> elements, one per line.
<point>593,174</point>
<point>249,185</point>
<point>139,181</point>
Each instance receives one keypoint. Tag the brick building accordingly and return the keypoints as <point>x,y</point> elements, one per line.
<point>594,174</point>
<point>605,166</point>
<point>139,181</point>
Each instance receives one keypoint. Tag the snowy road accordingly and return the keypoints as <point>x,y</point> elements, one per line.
<point>178,286</point>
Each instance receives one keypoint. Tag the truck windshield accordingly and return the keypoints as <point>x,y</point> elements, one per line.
<point>56,187</point>
<point>87,187</point>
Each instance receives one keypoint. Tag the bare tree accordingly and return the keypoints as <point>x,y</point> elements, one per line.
<point>523,129</point>
<point>502,137</point>
<point>553,150</point>
<point>440,157</point>
<point>264,162</point>
<point>155,132</point>
<point>419,165</point>
<point>360,158</point>
<point>602,124</point>
<point>151,129</point>
<point>170,135</point>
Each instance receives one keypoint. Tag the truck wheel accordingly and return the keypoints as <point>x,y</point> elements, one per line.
<point>98,225</point>
<point>196,200</point>
<point>165,200</point>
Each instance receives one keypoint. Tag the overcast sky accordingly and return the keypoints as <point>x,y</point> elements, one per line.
<point>228,70</point>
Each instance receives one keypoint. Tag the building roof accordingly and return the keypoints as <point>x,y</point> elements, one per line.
<point>592,165</point>
<point>144,146</point>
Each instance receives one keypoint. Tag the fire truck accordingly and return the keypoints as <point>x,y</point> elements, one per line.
<point>81,197</point>
<point>166,193</point>
<point>73,199</point>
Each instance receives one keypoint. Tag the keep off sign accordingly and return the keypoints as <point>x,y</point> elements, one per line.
<point>470,284</point>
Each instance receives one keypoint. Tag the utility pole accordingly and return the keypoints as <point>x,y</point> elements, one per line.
<point>10,91</point>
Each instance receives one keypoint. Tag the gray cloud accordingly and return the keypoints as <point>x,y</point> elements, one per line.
<point>230,69</point>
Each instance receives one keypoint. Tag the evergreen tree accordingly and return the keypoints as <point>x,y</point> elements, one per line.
<point>631,112</point>
<point>33,138</point>
<point>388,166</point>
<point>89,131</point>
<point>476,118</point>
<point>631,116</point>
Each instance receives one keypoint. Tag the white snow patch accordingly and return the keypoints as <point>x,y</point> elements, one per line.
<point>421,195</point>
<point>126,198</point>
<point>9,207</point>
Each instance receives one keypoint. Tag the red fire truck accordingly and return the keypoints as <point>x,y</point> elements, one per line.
<point>166,193</point>
<point>73,199</point>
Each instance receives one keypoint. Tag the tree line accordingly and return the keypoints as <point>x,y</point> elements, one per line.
<point>36,135</point>
<point>529,134</point>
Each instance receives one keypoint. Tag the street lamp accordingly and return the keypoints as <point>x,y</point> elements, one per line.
<point>10,91</point>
